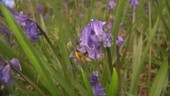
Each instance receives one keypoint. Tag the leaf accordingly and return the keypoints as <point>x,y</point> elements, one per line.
<point>87,84</point>
<point>158,83</point>
<point>138,68</point>
<point>113,88</point>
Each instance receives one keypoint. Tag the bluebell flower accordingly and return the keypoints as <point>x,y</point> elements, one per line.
<point>15,63</point>
<point>93,35</point>
<point>96,86</point>
<point>97,34</point>
<point>108,40</point>
<point>120,41</point>
<point>30,27</point>
<point>5,71</point>
<point>32,31</point>
<point>112,4</point>
<point>134,4</point>
<point>2,64</point>
<point>21,18</point>
<point>9,3</point>
<point>5,76</point>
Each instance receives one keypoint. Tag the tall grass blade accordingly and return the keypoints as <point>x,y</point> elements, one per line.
<point>159,80</point>
<point>87,84</point>
<point>113,87</point>
<point>135,76</point>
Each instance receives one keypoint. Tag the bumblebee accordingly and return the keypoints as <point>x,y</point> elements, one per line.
<point>79,55</point>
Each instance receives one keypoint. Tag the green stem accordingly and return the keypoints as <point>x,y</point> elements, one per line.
<point>91,9</point>
<point>45,36</point>
<point>117,66</point>
<point>109,60</point>
<point>28,80</point>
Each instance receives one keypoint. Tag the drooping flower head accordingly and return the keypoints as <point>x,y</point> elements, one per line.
<point>15,63</point>
<point>134,4</point>
<point>21,19</point>
<point>111,5</point>
<point>9,3</point>
<point>120,41</point>
<point>32,31</point>
<point>5,71</point>
<point>96,86</point>
<point>30,27</point>
<point>6,76</point>
<point>93,36</point>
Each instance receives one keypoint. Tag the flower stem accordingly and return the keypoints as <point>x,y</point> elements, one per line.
<point>117,66</point>
<point>28,80</point>
<point>45,36</point>
<point>109,60</point>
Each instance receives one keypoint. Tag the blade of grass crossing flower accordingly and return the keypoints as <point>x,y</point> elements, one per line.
<point>87,84</point>
<point>135,78</point>
<point>112,89</point>
<point>159,80</point>
<point>30,52</point>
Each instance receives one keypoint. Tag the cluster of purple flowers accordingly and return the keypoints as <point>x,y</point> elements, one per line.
<point>96,86</point>
<point>30,27</point>
<point>93,36</point>
<point>5,70</point>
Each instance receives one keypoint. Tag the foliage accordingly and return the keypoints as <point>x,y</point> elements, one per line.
<point>53,66</point>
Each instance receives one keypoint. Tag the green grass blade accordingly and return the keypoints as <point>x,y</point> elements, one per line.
<point>159,80</point>
<point>113,85</point>
<point>87,84</point>
<point>135,77</point>
<point>29,50</point>
<point>117,21</point>
<point>136,60</point>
